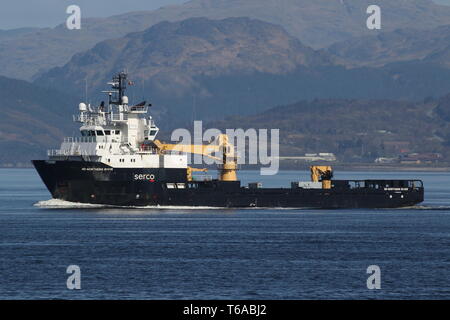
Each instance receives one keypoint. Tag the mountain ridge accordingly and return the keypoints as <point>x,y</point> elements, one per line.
<point>316,23</point>
<point>356,130</point>
<point>236,65</point>
<point>33,120</point>
<point>178,59</point>
<point>399,45</point>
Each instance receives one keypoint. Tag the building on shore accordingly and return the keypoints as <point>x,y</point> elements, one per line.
<point>310,157</point>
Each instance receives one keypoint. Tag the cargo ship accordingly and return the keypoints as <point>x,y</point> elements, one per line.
<point>118,161</point>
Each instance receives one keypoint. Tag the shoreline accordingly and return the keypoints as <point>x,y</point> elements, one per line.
<point>391,168</point>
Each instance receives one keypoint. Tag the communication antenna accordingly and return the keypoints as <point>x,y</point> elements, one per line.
<point>86,90</point>
<point>194,103</point>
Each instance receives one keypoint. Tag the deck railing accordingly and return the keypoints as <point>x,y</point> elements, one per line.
<point>58,152</point>
<point>80,139</point>
<point>97,139</point>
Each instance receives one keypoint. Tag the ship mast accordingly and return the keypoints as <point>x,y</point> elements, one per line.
<point>119,85</point>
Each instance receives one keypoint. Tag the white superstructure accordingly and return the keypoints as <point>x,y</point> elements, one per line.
<point>117,134</point>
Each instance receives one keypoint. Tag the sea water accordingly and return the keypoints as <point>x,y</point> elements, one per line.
<point>204,253</point>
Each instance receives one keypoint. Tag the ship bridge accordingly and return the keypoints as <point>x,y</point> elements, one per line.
<point>117,133</point>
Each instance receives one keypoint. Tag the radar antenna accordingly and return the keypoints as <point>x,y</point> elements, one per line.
<point>119,85</point>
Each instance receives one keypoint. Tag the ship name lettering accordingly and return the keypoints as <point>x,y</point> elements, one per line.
<point>96,169</point>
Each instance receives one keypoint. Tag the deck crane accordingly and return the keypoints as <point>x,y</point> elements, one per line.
<point>228,166</point>
<point>322,174</point>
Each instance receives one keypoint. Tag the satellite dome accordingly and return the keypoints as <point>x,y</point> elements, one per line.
<point>124,100</point>
<point>82,106</point>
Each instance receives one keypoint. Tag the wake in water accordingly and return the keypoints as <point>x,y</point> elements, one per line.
<point>422,207</point>
<point>62,204</point>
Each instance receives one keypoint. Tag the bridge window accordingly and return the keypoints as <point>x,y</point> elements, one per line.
<point>107,132</point>
<point>117,131</point>
<point>99,132</point>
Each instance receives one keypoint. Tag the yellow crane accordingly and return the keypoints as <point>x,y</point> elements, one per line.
<point>322,174</point>
<point>190,170</point>
<point>228,166</point>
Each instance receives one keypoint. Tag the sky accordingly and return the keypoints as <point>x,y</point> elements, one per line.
<point>49,13</point>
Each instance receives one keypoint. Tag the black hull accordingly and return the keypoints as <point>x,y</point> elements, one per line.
<point>88,182</point>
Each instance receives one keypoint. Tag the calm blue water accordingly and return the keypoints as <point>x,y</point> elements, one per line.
<point>223,254</point>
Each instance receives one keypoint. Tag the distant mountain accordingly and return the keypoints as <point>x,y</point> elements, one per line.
<point>355,130</point>
<point>195,58</point>
<point>441,57</point>
<point>36,119</point>
<point>432,46</point>
<point>443,108</point>
<point>196,46</point>
<point>213,68</point>
<point>12,33</point>
<point>33,120</point>
<point>317,23</point>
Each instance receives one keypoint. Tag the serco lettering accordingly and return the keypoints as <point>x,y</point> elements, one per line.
<point>149,177</point>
